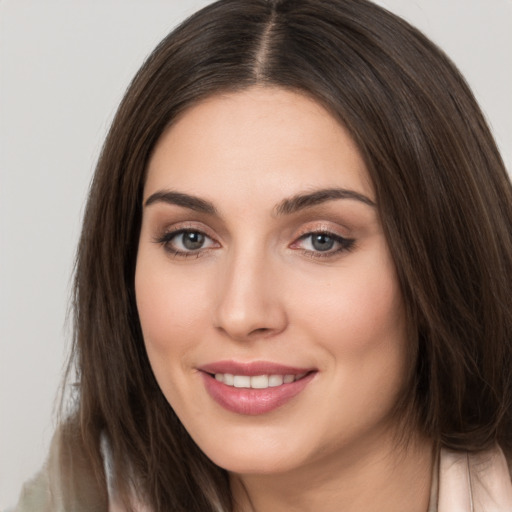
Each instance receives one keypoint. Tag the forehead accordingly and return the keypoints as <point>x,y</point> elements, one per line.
<point>263,139</point>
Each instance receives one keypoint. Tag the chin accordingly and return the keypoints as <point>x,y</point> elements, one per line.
<point>253,451</point>
<point>255,463</point>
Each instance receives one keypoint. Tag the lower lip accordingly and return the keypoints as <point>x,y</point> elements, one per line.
<point>253,402</point>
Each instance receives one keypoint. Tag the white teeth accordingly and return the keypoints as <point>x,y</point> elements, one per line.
<point>257,381</point>
<point>242,381</point>
<point>275,380</point>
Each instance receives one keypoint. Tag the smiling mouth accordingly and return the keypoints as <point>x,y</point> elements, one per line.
<point>257,381</point>
<point>254,389</point>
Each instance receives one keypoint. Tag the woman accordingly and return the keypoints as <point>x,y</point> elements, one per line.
<point>292,287</point>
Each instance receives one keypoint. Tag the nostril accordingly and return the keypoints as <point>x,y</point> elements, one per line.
<point>260,330</point>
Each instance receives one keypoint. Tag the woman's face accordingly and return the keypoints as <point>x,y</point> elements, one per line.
<point>268,299</point>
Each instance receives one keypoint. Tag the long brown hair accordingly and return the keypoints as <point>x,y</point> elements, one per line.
<point>443,195</point>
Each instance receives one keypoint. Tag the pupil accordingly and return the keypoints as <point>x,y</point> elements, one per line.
<point>322,242</point>
<point>192,240</point>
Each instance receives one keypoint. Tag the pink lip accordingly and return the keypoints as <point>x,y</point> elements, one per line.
<point>250,401</point>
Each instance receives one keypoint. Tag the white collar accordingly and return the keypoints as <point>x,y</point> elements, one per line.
<point>476,482</point>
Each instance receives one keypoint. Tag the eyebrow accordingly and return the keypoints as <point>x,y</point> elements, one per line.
<point>181,199</point>
<point>303,201</point>
<point>286,207</point>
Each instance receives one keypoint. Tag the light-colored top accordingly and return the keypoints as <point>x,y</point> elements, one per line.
<point>462,482</point>
<point>474,482</point>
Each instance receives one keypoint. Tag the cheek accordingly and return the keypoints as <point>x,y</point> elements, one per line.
<point>173,313</point>
<point>373,313</point>
<point>358,319</point>
<point>357,309</point>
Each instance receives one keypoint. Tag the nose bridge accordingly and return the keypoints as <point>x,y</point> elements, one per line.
<point>249,301</point>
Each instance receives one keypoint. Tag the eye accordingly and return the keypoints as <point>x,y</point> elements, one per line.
<point>323,244</point>
<point>190,240</point>
<point>186,242</point>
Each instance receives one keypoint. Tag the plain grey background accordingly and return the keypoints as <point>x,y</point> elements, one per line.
<point>63,69</point>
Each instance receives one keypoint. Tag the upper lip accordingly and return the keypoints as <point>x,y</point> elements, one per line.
<point>253,368</point>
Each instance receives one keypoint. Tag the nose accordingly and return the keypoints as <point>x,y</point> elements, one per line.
<point>250,297</point>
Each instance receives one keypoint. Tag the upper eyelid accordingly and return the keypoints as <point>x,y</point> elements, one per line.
<point>323,227</point>
<point>166,240</point>
<point>338,238</point>
<point>177,227</point>
<point>334,228</point>
<point>171,233</point>
<point>332,234</point>
<point>308,233</point>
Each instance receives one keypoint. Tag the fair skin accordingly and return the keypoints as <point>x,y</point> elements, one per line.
<point>233,269</point>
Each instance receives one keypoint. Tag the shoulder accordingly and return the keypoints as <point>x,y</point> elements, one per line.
<point>35,495</point>
<point>474,482</point>
<point>64,484</point>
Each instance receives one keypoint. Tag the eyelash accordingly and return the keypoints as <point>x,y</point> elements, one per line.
<point>345,244</point>
<point>166,239</point>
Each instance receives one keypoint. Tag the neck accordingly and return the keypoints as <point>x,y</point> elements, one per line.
<point>382,478</point>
